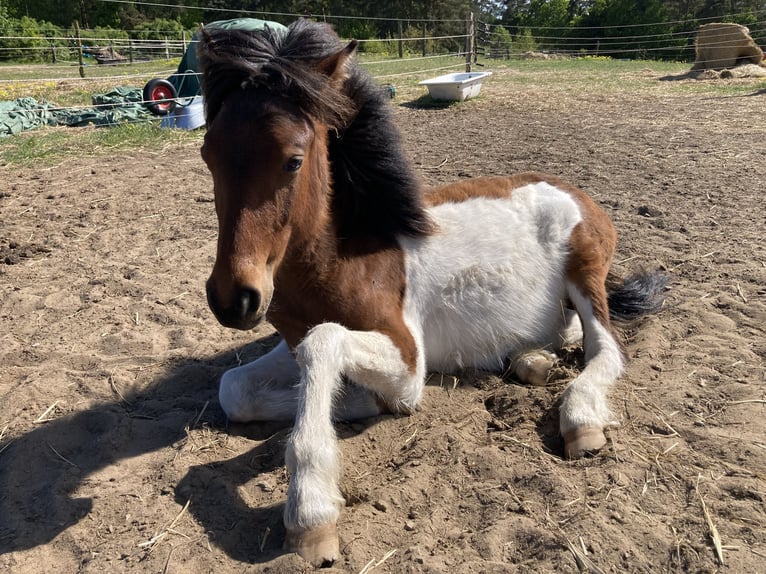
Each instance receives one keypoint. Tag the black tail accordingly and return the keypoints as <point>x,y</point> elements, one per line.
<point>639,294</point>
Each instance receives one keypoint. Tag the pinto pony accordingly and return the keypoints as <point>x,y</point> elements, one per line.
<point>372,280</point>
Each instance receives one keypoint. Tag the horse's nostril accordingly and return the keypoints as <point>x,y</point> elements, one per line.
<point>248,303</point>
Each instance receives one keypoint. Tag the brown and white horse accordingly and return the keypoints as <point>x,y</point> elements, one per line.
<point>371,280</point>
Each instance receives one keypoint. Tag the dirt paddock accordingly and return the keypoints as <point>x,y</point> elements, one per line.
<point>116,457</point>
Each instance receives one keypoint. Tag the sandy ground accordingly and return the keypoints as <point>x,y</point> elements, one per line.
<point>116,457</point>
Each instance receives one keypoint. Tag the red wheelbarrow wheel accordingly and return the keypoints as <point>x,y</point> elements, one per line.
<point>159,97</point>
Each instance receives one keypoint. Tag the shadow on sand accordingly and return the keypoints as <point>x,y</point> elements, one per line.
<point>42,471</point>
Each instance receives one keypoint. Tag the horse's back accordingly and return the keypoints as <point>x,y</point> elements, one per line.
<point>490,282</point>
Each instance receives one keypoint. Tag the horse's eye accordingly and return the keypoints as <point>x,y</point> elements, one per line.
<point>294,164</point>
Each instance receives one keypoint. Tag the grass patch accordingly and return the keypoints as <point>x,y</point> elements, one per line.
<point>57,72</point>
<point>53,145</point>
<point>575,77</point>
<point>580,76</point>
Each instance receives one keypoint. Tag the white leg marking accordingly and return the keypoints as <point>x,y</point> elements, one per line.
<point>329,351</point>
<point>572,332</point>
<point>584,407</point>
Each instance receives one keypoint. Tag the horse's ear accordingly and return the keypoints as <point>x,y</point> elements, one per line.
<point>335,66</point>
<point>203,40</point>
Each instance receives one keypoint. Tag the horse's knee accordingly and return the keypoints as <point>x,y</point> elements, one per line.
<point>232,396</point>
<point>321,344</point>
<point>534,367</point>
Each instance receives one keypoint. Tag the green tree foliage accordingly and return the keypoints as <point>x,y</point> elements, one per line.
<point>499,43</point>
<point>620,28</point>
<point>662,29</point>
<point>159,29</point>
<point>24,39</point>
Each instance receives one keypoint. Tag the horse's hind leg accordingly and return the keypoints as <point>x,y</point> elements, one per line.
<point>584,411</point>
<point>267,390</point>
<point>571,334</point>
<point>534,367</point>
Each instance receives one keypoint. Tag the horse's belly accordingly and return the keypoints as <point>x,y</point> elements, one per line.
<point>485,314</point>
<point>491,282</point>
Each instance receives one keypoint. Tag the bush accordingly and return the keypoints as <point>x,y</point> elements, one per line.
<point>23,39</point>
<point>102,35</point>
<point>159,29</point>
<point>525,42</point>
<point>499,44</point>
<point>415,42</point>
<point>380,47</point>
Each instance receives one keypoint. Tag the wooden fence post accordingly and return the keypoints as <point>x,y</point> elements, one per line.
<point>401,41</point>
<point>469,40</point>
<point>79,48</point>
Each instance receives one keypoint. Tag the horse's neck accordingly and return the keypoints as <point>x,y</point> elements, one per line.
<point>377,194</point>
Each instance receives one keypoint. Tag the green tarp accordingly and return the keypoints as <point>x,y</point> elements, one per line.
<point>121,105</point>
<point>25,114</point>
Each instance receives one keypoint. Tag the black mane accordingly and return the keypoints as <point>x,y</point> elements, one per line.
<point>376,193</point>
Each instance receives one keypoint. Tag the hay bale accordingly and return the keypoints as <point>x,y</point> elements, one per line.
<point>746,71</point>
<point>720,46</point>
<point>532,55</point>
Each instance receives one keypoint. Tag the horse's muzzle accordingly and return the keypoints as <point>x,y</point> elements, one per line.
<point>243,311</point>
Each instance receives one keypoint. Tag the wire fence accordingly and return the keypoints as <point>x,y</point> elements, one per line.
<point>94,59</point>
<point>93,62</point>
<point>502,41</point>
<point>489,40</point>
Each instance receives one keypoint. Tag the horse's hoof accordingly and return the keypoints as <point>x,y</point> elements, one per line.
<point>534,368</point>
<point>318,545</point>
<point>583,441</point>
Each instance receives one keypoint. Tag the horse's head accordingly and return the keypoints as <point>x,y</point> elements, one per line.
<point>268,114</point>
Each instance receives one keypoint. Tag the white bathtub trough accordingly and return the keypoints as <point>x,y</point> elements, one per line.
<point>457,87</point>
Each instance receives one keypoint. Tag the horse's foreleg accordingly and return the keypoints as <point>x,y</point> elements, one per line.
<point>267,390</point>
<point>313,497</point>
<point>584,411</point>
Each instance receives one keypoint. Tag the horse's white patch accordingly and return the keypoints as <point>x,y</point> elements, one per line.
<point>490,283</point>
